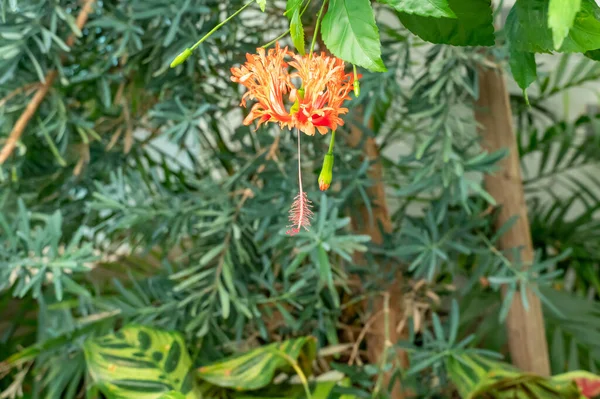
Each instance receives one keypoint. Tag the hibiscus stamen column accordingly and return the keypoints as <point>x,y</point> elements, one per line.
<point>300,212</point>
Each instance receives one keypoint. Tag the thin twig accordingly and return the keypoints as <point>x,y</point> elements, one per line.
<point>37,99</point>
<point>362,335</point>
<point>24,89</point>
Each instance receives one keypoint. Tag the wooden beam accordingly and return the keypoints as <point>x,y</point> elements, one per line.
<point>386,310</point>
<point>526,330</point>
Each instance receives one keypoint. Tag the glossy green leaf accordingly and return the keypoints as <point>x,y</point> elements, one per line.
<point>257,368</point>
<point>291,6</point>
<point>426,8</point>
<point>318,390</point>
<point>350,33</point>
<point>140,362</point>
<point>523,69</point>
<point>561,14</point>
<point>173,395</point>
<point>262,4</point>
<point>500,383</point>
<point>466,373</point>
<point>473,25</point>
<point>588,383</point>
<point>593,54</point>
<point>297,31</point>
<point>527,29</point>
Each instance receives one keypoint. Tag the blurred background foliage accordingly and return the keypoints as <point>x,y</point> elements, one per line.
<point>136,196</point>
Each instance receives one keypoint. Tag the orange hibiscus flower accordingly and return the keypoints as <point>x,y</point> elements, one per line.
<point>316,105</point>
<point>267,79</point>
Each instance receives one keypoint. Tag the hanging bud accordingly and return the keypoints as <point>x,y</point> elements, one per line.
<point>356,82</point>
<point>326,172</point>
<point>356,88</point>
<point>180,59</point>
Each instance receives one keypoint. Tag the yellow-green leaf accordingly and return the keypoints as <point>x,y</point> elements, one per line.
<point>527,28</point>
<point>256,369</point>
<point>141,362</point>
<point>561,14</point>
<point>291,6</point>
<point>320,389</point>
<point>297,31</point>
<point>173,395</point>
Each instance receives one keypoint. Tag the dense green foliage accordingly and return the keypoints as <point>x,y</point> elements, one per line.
<point>136,198</point>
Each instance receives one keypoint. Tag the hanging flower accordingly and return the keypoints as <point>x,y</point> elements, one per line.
<point>326,86</point>
<point>316,104</point>
<point>267,79</point>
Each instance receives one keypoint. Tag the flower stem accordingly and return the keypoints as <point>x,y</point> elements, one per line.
<point>299,164</point>
<point>317,24</point>
<point>216,28</point>
<point>296,368</point>
<point>284,34</point>
<point>331,143</point>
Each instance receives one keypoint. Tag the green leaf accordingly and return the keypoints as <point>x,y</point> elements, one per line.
<point>297,31</point>
<point>512,384</point>
<point>350,33</point>
<point>473,25</point>
<point>593,54</point>
<point>425,8</point>
<point>257,368</point>
<point>262,4</point>
<point>527,30</point>
<point>291,6</point>
<point>561,14</point>
<point>318,390</point>
<point>173,395</point>
<point>523,68</point>
<point>140,362</point>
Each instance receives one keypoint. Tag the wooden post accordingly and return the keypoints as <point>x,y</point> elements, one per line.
<point>526,330</point>
<point>387,310</point>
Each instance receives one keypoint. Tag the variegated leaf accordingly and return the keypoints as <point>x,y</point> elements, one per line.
<point>142,363</point>
<point>256,369</point>
<point>323,388</point>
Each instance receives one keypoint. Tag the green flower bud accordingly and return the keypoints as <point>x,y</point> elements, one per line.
<point>180,59</point>
<point>326,172</point>
<point>356,88</point>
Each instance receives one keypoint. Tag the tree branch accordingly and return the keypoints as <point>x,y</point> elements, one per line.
<point>32,107</point>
